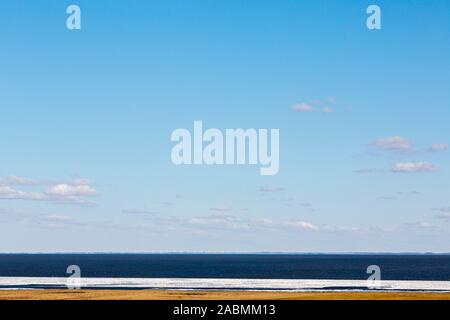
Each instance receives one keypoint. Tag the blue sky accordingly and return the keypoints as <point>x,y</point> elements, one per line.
<point>87,117</point>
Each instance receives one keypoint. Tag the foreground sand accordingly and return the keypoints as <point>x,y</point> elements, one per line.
<point>211,295</point>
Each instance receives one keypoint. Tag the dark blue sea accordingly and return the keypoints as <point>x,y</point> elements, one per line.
<point>232,266</point>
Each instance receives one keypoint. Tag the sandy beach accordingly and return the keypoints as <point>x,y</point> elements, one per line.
<point>65,294</point>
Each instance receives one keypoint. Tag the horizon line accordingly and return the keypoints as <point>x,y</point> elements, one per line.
<point>240,253</point>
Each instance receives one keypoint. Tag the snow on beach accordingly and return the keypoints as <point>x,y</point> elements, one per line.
<point>224,284</point>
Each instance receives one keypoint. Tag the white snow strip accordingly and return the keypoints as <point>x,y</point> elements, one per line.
<point>226,284</point>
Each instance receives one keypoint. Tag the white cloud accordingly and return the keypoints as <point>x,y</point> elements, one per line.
<point>409,193</point>
<point>224,221</point>
<point>411,167</point>
<point>6,192</point>
<point>217,221</point>
<point>420,225</point>
<point>445,216</point>
<point>19,181</point>
<point>395,143</point>
<point>303,107</point>
<point>398,143</point>
<point>445,212</point>
<point>67,190</point>
<point>438,147</point>
<point>317,105</point>
<point>298,224</point>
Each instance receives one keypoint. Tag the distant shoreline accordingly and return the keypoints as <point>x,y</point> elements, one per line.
<point>233,253</point>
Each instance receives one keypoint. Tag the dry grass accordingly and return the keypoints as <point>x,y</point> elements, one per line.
<point>65,294</point>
